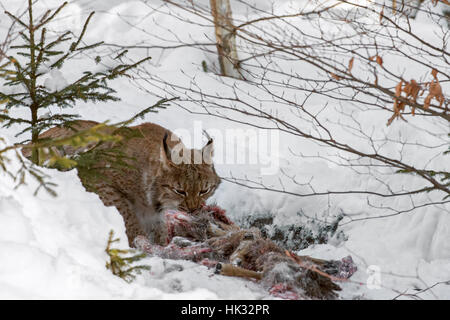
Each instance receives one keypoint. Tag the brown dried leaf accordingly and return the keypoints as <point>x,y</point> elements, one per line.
<point>435,2</point>
<point>412,90</point>
<point>435,92</point>
<point>426,103</point>
<point>378,59</point>
<point>398,89</point>
<point>434,73</point>
<point>381,14</point>
<point>390,120</point>
<point>397,114</point>
<point>350,64</point>
<point>335,76</point>
<point>398,105</point>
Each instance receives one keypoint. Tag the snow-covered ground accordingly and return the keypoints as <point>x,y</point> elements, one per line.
<point>54,247</point>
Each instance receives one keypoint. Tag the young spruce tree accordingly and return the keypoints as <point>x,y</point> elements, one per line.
<point>36,57</point>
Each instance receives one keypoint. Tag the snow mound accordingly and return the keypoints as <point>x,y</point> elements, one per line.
<point>54,248</point>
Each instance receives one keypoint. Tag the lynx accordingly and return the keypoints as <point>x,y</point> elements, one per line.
<point>162,175</point>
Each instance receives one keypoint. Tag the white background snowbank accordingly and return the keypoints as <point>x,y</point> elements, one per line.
<point>54,247</point>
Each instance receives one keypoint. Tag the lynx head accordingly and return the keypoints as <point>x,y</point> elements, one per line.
<point>186,178</point>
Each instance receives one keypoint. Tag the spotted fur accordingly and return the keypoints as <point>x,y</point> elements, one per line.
<point>155,181</point>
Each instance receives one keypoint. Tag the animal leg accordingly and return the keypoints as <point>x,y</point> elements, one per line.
<point>227,269</point>
<point>112,197</point>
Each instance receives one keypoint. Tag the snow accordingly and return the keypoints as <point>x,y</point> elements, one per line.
<point>54,247</point>
<point>56,81</point>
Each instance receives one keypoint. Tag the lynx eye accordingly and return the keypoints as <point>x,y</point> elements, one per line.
<point>180,192</point>
<point>204,191</point>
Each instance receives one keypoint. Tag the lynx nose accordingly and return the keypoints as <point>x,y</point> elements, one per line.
<point>192,205</point>
<point>192,208</point>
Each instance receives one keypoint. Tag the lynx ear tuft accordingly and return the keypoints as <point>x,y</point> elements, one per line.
<point>166,148</point>
<point>171,156</point>
<point>208,150</point>
<point>166,152</point>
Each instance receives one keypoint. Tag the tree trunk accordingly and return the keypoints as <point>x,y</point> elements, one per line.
<point>225,38</point>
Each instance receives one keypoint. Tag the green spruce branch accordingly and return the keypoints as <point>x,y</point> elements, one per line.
<point>121,262</point>
<point>36,54</point>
